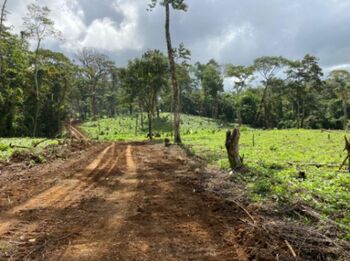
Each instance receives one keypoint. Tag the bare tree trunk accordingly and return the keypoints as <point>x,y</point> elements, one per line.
<point>345,111</point>
<point>239,115</point>
<point>262,104</point>
<point>176,92</point>
<point>302,115</point>
<point>37,92</point>
<point>2,18</point>
<point>141,108</point>
<point>136,124</point>
<point>59,123</point>
<point>232,147</point>
<point>298,114</point>
<point>150,119</point>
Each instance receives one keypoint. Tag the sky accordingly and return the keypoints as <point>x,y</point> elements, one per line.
<point>230,31</point>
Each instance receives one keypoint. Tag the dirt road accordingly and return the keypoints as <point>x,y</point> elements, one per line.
<point>118,202</point>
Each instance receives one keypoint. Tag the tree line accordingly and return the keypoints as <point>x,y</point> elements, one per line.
<point>42,89</point>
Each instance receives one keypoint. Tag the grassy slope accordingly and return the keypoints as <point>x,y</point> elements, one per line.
<point>6,151</point>
<point>271,177</point>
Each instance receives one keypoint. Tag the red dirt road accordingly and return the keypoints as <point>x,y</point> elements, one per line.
<point>118,202</point>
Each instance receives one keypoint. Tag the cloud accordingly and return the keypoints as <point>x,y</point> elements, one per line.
<point>107,35</point>
<point>229,31</point>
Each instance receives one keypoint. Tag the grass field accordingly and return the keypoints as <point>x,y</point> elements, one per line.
<point>274,160</point>
<point>6,150</point>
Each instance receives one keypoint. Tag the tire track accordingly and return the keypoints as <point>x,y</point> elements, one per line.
<point>50,198</point>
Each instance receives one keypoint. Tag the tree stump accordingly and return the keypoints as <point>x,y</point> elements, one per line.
<point>232,147</point>
<point>347,148</point>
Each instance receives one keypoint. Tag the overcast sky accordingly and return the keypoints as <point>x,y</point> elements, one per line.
<point>231,31</point>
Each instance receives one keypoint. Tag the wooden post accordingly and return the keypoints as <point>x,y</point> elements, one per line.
<point>232,147</point>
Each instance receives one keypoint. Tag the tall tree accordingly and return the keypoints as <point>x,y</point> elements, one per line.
<point>2,19</point>
<point>268,67</point>
<point>176,5</point>
<point>57,77</point>
<point>212,84</point>
<point>144,79</point>
<point>242,75</point>
<point>38,26</point>
<point>96,67</point>
<point>13,84</point>
<point>304,78</point>
<point>340,81</point>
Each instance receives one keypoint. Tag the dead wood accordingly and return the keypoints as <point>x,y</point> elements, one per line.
<point>347,148</point>
<point>232,147</point>
<point>36,144</point>
<point>18,147</point>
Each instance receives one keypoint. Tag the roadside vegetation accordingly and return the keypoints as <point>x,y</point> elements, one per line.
<point>10,146</point>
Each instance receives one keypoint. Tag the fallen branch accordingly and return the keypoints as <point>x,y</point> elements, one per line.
<point>318,165</point>
<point>245,210</point>
<point>341,166</point>
<point>36,144</point>
<point>290,248</point>
<point>19,147</point>
<point>45,244</point>
<point>313,214</point>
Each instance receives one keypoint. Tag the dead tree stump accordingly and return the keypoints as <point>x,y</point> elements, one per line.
<point>232,147</point>
<point>347,148</point>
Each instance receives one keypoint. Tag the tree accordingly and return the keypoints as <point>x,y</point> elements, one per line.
<point>38,26</point>
<point>2,29</point>
<point>212,84</point>
<point>96,67</point>
<point>304,79</point>
<point>268,67</point>
<point>13,84</point>
<point>242,75</point>
<point>176,5</point>
<point>210,80</point>
<point>145,78</point>
<point>56,75</point>
<point>340,81</point>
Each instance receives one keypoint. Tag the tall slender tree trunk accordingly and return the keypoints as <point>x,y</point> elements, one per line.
<point>37,92</point>
<point>298,113</point>
<point>150,119</point>
<point>172,67</point>
<point>141,110</point>
<point>345,111</point>
<point>262,105</point>
<point>2,18</point>
<point>302,114</point>
<point>239,115</point>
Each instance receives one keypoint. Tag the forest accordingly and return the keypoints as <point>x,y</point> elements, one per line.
<point>101,161</point>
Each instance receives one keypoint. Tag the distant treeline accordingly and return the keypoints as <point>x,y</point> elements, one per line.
<point>41,89</point>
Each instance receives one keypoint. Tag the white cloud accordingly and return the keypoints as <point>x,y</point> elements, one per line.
<point>105,34</point>
<point>229,31</point>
